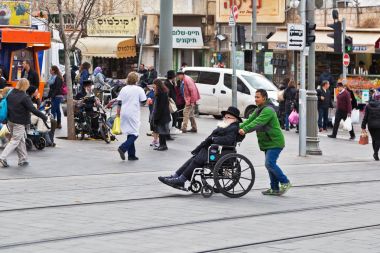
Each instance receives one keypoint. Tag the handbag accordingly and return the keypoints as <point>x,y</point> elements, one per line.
<point>116,127</point>
<point>294,118</point>
<point>347,124</point>
<point>355,116</point>
<point>172,106</point>
<point>363,140</point>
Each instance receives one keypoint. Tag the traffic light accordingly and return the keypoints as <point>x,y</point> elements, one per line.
<point>309,37</point>
<point>348,44</point>
<point>240,35</point>
<point>337,36</point>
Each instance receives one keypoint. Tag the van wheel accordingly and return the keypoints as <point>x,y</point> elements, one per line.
<point>217,116</point>
<point>249,111</point>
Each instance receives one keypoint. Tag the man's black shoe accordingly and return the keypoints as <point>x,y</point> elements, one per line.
<point>352,137</point>
<point>376,156</point>
<point>4,163</point>
<point>133,158</point>
<point>161,148</point>
<point>121,153</point>
<point>170,138</point>
<point>174,182</point>
<point>23,164</point>
<point>331,136</point>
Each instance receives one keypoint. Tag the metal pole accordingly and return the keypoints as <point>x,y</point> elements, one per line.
<point>254,32</point>
<point>302,96</point>
<point>142,41</point>
<point>166,37</point>
<point>233,60</point>
<point>312,139</point>
<point>344,47</point>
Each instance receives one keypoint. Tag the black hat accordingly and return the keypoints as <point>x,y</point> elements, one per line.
<point>170,74</point>
<point>233,111</point>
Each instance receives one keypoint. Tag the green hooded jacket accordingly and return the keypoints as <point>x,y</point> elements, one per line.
<point>265,122</point>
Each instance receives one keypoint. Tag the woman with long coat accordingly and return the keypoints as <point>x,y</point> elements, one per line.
<point>289,97</point>
<point>55,93</point>
<point>372,119</point>
<point>161,113</point>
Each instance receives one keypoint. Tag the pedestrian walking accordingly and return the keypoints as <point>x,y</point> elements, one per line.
<point>55,93</point>
<point>191,96</point>
<point>372,119</point>
<point>84,74</point>
<point>271,140</point>
<point>170,84</point>
<point>281,100</point>
<point>19,108</point>
<point>161,113</point>
<point>289,97</point>
<point>129,102</point>
<point>324,103</point>
<point>180,103</point>
<point>343,110</point>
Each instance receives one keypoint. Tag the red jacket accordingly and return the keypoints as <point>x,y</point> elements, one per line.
<point>191,91</point>
<point>343,102</point>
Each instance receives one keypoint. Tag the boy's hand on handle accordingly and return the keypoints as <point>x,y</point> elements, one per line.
<point>241,132</point>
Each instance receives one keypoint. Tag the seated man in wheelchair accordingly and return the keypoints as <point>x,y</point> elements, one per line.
<point>225,134</point>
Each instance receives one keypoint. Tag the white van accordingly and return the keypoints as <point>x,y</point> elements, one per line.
<point>214,85</point>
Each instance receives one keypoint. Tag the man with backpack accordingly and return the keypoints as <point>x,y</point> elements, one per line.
<point>271,140</point>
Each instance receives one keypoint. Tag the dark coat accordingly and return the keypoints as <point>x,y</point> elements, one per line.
<point>220,136</point>
<point>327,102</point>
<point>372,115</point>
<point>151,75</point>
<point>180,100</point>
<point>33,78</point>
<point>170,86</point>
<point>289,97</point>
<point>20,106</point>
<point>354,103</point>
<point>56,88</point>
<point>161,113</point>
<point>343,102</point>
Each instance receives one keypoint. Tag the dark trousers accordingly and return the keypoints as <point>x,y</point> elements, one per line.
<point>56,108</point>
<point>129,145</point>
<point>323,118</point>
<point>375,135</point>
<point>174,119</point>
<point>188,167</point>
<point>179,116</point>
<point>162,139</point>
<point>340,115</point>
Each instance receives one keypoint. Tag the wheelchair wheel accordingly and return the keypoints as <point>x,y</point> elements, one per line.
<point>207,191</point>
<point>234,175</point>
<point>195,186</point>
<point>29,144</point>
<point>40,144</point>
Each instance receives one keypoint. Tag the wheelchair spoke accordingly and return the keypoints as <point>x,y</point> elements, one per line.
<point>241,186</point>
<point>246,178</point>
<point>245,169</point>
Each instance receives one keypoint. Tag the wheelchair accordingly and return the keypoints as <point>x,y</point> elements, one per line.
<point>225,172</point>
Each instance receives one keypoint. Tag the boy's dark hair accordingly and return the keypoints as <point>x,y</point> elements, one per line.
<point>339,84</point>
<point>263,93</point>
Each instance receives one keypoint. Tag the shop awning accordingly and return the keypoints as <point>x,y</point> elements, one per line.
<point>32,38</point>
<point>107,47</point>
<point>364,40</point>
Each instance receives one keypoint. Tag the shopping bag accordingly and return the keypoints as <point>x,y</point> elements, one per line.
<point>280,96</point>
<point>363,140</point>
<point>294,118</point>
<point>347,124</point>
<point>355,116</point>
<point>116,127</point>
<point>4,131</point>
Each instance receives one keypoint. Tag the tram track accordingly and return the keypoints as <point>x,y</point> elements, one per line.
<point>199,222</point>
<point>171,196</point>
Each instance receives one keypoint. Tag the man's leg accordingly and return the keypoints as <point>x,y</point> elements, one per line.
<point>21,148</point>
<point>287,121</point>
<point>192,119</point>
<point>127,144</point>
<point>183,167</point>
<point>338,117</point>
<point>271,157</point>
<point>132,149</point>
<point>320,116</point>
<point>352,133</point>
<point>186,116</point>
<point>325,118</point>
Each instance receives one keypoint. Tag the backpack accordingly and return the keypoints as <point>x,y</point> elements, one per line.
<point>4,107</point>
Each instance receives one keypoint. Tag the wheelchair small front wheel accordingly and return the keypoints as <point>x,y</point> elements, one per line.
<point>207,191</point>
<point>195,186</point>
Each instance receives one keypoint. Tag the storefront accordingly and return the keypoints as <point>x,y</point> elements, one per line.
<point>111,45</point>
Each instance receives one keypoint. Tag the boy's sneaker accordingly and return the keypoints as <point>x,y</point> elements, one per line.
<point>4,163</point>
<point>284,188</point>
<point>23,164</point>
<point>271,192</point>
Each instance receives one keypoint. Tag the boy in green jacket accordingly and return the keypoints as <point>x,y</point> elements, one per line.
<point>271,140</point>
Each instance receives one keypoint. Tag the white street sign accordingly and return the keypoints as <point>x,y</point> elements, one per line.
<point>232,20</point>
<point>296,37</point>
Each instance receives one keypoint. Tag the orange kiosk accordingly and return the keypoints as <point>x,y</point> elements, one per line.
<point>18,45</point>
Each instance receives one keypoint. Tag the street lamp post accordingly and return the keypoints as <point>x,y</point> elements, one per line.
<point>253,34</point>
<point>166,37</point>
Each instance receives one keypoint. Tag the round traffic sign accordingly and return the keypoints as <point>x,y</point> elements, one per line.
<point>346,60</point>
<point>235,12</point>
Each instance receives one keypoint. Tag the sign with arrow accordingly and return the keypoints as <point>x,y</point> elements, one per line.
<point>296,37</point>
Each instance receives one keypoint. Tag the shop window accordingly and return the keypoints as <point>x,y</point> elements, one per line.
<point>240,85</point>
<point>18,57</point>
<point>210,78</point>
<point>193,74</point>
<point>61,55</point>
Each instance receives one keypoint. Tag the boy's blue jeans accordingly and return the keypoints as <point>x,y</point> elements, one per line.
<point>275,173</point>
<point>129,145</point>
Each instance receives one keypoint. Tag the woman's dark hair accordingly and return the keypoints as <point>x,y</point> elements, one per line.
<point>56,71</point>
<point>263,93</point>
<point>291,84</point>
<point>161,87</point>
<point>86,65</point>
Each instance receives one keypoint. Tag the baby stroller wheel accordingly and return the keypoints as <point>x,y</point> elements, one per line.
<point>207,191</point>
<point>28,144</point>
<point>106,136</point>
<point>195,186</point>
<point>40,144</point>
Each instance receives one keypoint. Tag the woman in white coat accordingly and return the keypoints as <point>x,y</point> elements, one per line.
<point>129,102</point>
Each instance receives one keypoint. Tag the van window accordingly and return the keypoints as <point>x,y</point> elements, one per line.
<point>193,74</point>
<point>61,55</point>
<point>259,82</point>
<point>210,78</point>
<point>240,85</point>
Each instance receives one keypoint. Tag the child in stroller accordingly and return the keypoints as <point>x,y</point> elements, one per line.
<point>38,134</point>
